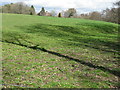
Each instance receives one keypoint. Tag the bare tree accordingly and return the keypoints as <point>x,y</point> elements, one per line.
<point>110,15</point>
<point>117,3</point>
<point>70,12</point>
<point>6,8</point>
<point>53,13</point>
<point>95,15</point>
<point>118,10</point>
<point>18,8</point>
<point>0,9</point>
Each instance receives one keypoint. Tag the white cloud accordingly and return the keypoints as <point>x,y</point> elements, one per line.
<point>64,4</point>
<point>69,3</point>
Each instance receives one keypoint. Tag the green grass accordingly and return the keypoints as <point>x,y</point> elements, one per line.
<point>50,52</point>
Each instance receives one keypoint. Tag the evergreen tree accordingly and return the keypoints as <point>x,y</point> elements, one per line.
<point>59,15</point>
<point>42,12</point>
<point>32,10</point>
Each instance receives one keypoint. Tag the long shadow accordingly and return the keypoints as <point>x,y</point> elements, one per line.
<point>97,44</point>
<point>105,28</point>
<point>69,33</point>
<point>116,73</point>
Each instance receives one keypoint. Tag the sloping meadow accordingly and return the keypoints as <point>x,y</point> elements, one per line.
<point>51,52</point>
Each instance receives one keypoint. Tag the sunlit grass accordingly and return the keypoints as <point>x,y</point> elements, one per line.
<point>90,41</point>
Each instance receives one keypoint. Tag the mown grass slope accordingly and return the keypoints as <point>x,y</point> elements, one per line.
<point>49,52</point>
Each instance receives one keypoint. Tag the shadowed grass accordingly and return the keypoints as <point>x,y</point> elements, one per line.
<point>50,52</point>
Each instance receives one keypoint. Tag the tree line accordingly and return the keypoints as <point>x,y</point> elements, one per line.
<point>18,8</point>
<point>108,15</point>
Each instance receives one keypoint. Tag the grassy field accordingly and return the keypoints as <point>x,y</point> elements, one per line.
<point>51,52</point>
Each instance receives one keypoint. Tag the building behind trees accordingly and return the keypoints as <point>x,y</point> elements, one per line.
<point>42,12</point>
<point>108,15</point>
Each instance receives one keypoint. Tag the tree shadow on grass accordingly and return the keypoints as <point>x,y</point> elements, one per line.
<point>104,28</point>
<point>72,35</point>
<point>35,47</point>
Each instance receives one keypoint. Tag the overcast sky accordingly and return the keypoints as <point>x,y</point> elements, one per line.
<point>82,6</point>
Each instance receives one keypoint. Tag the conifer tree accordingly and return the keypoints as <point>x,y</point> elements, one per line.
<point>32,11</point>
<point>42,12</point>
<point>59,15</point>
